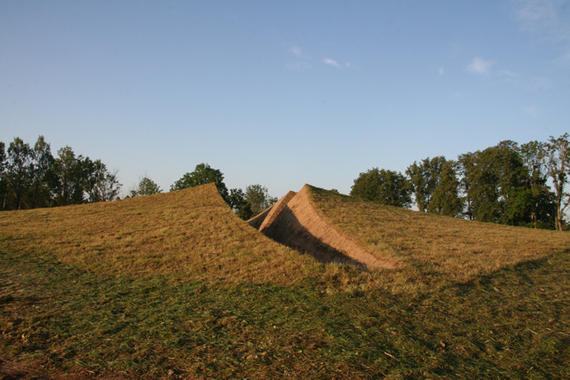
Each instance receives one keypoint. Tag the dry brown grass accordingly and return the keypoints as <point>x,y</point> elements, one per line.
<point>436,246</point>
<point>186,234</point>
<point>193,235</point>
<point>123,289</point>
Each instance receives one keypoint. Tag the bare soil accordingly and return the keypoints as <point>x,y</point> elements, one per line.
<point>296,223</point>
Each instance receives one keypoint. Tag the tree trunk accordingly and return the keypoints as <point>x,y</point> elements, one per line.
<point>558,216</point>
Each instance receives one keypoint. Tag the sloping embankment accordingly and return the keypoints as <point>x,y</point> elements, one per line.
<point>188,234</point>
<point>294,222</point>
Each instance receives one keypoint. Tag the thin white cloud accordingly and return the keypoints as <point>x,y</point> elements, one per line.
<point>536,11</point>
<point>548,21</point>
<point>441,71</point>
<point>331,62</point>
<point>565,58</point>
<point>298,66</point>
<point>540,83</point>
<point>531,111</point>
<point>479,66</point>
<point>296,51</point>
<point>301,61</point>
<point>508,74</point>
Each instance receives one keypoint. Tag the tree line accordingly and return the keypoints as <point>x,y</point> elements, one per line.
<point>31,176</point>
<point>521,185</point>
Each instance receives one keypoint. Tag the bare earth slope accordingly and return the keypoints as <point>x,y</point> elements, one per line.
<point>276,210</point>
<point>184,233</point>
<point>435,246</point>
<point>295,222</point>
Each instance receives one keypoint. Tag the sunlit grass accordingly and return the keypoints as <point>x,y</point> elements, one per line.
<point>185,234</point>
<point>436,248</point>
<point>175,285</point>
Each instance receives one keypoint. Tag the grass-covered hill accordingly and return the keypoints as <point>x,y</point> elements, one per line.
<point>175,285</point>
<point>183,234</point>
<point>436,249</point>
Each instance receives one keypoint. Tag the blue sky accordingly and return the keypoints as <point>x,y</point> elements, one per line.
<point>281,93</point>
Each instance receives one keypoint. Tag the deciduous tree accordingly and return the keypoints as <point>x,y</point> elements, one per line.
<point>19,170</point>
<point>383,186</point>
<point>202,175</point>
<point>70,182</point>
<point>445,199</point>
<point>3,184</point>
<point>42,175</point>
<point>146,186</point>
<point>541,199</point>
<point>424,177</point>
<point>258,198</point>
<point>239,204</point>
<point>495,181</point>
<point>558,169</point>
<point>101,185</point>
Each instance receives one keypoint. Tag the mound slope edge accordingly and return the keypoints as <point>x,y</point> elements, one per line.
<point>295,222</point>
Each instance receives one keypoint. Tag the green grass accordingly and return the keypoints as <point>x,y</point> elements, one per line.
<point>60,319</point>
<point>175,286</point>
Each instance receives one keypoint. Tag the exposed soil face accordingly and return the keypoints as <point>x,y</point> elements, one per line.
<point>288,230</point>
<point>276,210</point>
<point>294,222</point>
<point>256,221</point>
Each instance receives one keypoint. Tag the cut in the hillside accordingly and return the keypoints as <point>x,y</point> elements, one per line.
<point>294,222</point>
<point>276,210</point>
<point>256,220</point>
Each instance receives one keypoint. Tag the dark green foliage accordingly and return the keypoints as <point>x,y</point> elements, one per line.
<point>558,169</point>
<point>32,177</point>
<point>146,186</point>
<point>424,178</point>
<point>102,185</point>
<point>254,200</point>
<point>497,185</point>
<point>542,208</point>
<point>383,186</point>
<point>42,175</point>
<point>70,178</point>
<point>239,204</point>
<point>258,198</point>
<point>3,184</point>
<point>445,199</point>
<point>504,184</point>
<point>19,171</point>
<point>202,175</point>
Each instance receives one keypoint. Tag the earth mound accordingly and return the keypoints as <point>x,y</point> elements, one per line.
<point>295,222</point>
<point>190,233</point>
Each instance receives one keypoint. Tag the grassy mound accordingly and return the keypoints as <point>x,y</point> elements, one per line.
<point>436,249</point>
<point>187,234</point>
<point>176,286</point>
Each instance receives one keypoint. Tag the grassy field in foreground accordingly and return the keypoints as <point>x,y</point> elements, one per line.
<point>58,319</point>
<point>176,286</point>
